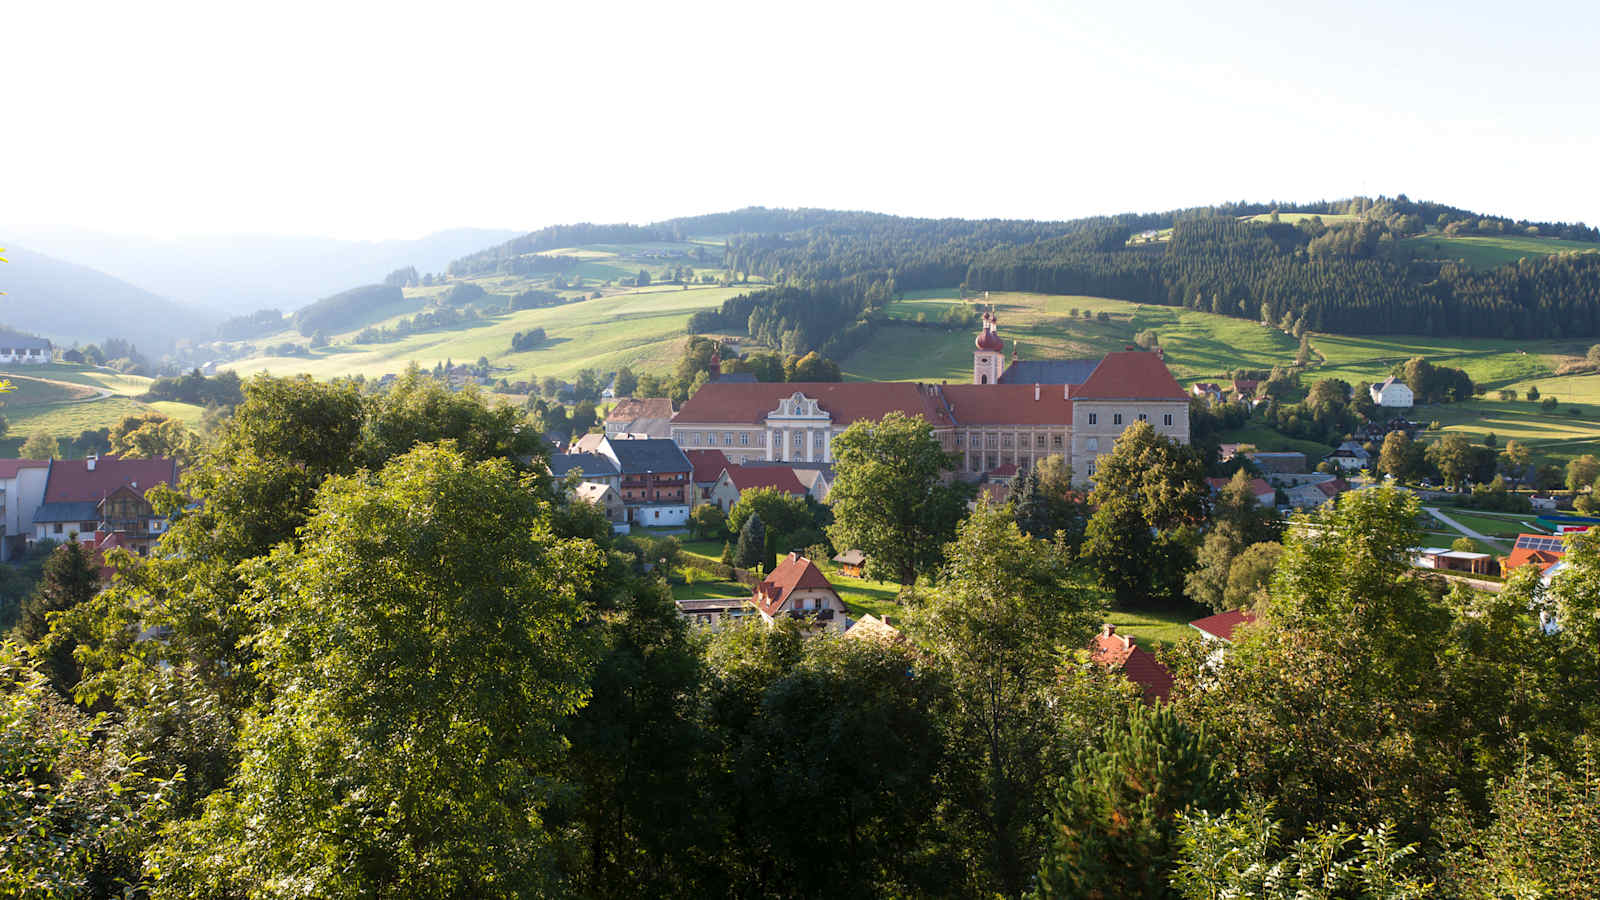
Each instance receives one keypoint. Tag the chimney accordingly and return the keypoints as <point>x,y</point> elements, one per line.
<point>715,369</point>
<point>90,460</point>
<point>1065,388</point>
<point>1107,630</point>
<point>1036,392</point>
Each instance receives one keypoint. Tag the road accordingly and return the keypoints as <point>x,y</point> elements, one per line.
<point>1477,536</point>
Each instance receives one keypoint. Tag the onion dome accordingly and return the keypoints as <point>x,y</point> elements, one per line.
<point>989,340</point>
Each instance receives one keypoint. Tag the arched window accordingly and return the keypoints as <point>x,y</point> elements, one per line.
<point>983,379</point>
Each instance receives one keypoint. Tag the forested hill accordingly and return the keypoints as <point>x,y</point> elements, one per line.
<point>1361,265</point>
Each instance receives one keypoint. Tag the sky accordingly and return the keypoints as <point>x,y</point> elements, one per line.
<point>395,119</point>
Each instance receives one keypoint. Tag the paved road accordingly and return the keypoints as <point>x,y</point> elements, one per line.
<point>1477,536</point>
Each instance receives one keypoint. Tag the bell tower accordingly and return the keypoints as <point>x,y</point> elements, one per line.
<point>988,359</point>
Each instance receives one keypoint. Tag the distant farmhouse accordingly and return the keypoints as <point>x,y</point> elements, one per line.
<point>1009,417</point>
<point>24,349</point>
<point>1392,393</point>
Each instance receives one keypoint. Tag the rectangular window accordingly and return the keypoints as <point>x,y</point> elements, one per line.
<point>1055,441</point>
<point>727,439</point>
<point>1166,419</point>
<point>1038,441</point>
<point>1092,444</point>
<point>1093,418</point>
<point>58,528</point>
<point>960,439</point>
<point>1116,418</point>
<point>994,441</point>
<point>744,437</point>
<point>86,527</point>
<point>1143,417</point>
<point>1005,441</point>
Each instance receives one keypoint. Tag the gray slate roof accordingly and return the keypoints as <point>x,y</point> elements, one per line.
<point>592,465</point>
<point>1049,371</point>
<point>68,511</point>
<point>649,455</point>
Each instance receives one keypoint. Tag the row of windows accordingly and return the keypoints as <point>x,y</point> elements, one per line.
<point>1116,419</point>
<point>1006,441</point>
<point>709,438</point>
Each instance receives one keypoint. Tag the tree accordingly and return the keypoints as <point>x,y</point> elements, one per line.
<point>1241,853</point>
<point>1533,393</point>
<point>642,279</point>
<point>626,382</point>
<point>781,513</point>
<point>1401,457</point>
<point>153,435</point>
<point>1149,495</point>
<point>1515,460</point>
<point>889,499</point>
<point>40,445</point>
<point>708,521</point>
<point>69,579</point>
<point>1452,456</point>
<point>422,649</point>
<point>751,550</point>
<point>1116,816</point>
<point>1251,574</point>
<point>1005,605</point>
<point>1582,472</point>
<point>1238,521</point>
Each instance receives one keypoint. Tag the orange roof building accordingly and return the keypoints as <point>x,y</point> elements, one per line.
<point>987,425</point>
<point>1119,653</point>
<point>798,589</point>
<point>1542,550</point>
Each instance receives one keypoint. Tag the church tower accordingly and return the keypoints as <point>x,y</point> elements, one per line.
<point>988,360</point>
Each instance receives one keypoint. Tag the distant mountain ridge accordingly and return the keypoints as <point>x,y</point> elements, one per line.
<point>237,274</point>
<point>69,303</point>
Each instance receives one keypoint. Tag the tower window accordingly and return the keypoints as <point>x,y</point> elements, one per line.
<point>983,379</point>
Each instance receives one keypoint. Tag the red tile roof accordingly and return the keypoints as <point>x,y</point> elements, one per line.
<point>1258,486</point>
<point>1006,470</point>
<point>795,573</point>
<point>1008,404</point>
<point>746,477</point>
<point>750,402</point>
<point>72,479</point>
<point>1118,652</point>
<point>10,467</point>
<point>1539,556</point>
<point>708,465</point>
<point>1223,625</point>
<point>640,408</point>
<point>1131,375</point>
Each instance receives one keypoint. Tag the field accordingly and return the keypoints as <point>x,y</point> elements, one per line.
<point>64,400</point>
<point>642,328</point>
<point>1485,252</point>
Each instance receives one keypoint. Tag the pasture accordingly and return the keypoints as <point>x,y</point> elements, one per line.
<point>65,400</point>
<point>1488,251</point>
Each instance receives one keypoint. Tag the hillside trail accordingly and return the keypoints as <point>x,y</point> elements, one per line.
<point>103,392</point>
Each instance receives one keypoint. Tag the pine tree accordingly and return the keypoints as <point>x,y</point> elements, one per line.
<point>1115,821</point>
<point>70,578</point>
<point>1027,506</point>
<point>752,547</point>
<point>727,553</point>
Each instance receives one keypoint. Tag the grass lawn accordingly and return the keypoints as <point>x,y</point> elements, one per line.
<point>1265,438</point>
<point>704,590</point>
<point>1495,526</point>
<point>707,550</point>
<point>1488,251</point>
<point>1153,628</point>
<point>643,328</point>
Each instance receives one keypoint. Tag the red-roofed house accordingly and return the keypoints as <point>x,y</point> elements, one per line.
<point>708,466</point>
<point>1221,626</point>
<point>99,496</point>
<point>647,416</point>
<point>1542,550</point>
<point>988,425</point>
<point>798,589</point>
<point>736,479</point>
<point>1265,494</point>
<point>1119,653</point>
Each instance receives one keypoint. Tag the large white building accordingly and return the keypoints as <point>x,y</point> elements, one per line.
<point>1006,417</point>
<point>24,349</point>
<point>1393,393</point>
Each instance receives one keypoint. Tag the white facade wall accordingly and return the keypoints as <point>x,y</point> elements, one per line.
<point>1096,425</point>
<point>28,357</point>
<point>664,516</point>
<point>1394,395</point>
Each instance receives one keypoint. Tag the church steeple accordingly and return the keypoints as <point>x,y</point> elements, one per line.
<point>988,359</point>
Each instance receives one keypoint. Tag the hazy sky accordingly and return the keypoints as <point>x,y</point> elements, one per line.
<point>394,119</point>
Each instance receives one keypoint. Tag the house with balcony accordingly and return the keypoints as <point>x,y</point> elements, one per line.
<point>796,588</point>
<point>654,479</point>
<point>100,501</point>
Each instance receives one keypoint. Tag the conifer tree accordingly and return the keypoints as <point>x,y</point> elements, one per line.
<point>752,547</point>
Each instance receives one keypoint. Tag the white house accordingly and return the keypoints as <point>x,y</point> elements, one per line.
<point>1393,393</point>
<point>24,349</point>
<point>1351,456</point>
<point>21,493</point>
<point>798,589</point>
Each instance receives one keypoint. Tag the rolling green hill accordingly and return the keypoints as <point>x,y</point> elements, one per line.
<point>64,400</point>
<point>1486,252</point>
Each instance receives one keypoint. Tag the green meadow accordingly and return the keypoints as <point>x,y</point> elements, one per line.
<point>1488,251</point>
<point>65,400</point>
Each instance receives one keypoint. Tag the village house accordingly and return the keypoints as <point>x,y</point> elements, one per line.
<point>852,563</point>
<point>707,466</point>
<point>988,425</point>
<point>1218,631</point>
<point>1287,462</point>
<point>1209,391</point>
<point>1392,393</point>
<point>1541,550</point>
<point>654,480</point>
<point>647,417</point>
<point>24,349</point>
<point>1448,560</point>
<point>872,628</point>
<point>1119,653</point>
<point>21,493</point>
<point>1350,457</point>
<point>608,499</point>
<point>591,467</point>
<point>736,479</point>
<point>797,588</point>
<point>1265,494</point>
<point>100,501</point>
